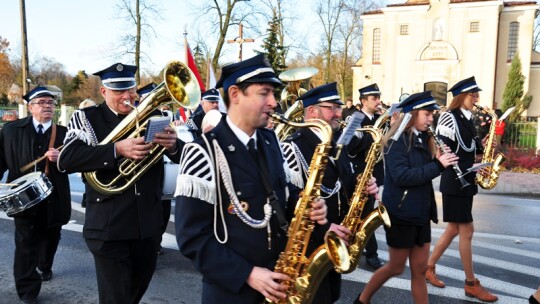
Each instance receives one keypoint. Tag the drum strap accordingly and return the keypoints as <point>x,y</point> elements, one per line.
<point>51,145</point>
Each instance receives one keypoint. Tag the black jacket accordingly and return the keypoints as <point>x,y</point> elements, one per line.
<point>17,149</point>
<point>466,130</point>
<point>133,214</point>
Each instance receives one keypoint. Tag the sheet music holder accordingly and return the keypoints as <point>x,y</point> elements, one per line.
<point>503,117</point>
<point>394,109</point>
<point>156,125</point>
<point>353,123</point>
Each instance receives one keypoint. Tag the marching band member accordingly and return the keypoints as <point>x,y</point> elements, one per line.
<point>121,230</point>
<point>457,131</point>
<point>370,100</point>
<point>338,181</point>
<point>209,101</point>
<point>411,163</point>
<point>37,229</point>
<point>232,190</point>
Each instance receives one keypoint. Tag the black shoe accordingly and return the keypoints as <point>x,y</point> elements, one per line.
<point>357,300</point>
<point>46,276</point>
<point>374,262</point>
<point>160,251</point>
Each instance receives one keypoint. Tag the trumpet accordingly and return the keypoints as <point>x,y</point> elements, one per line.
<point>456,168</point>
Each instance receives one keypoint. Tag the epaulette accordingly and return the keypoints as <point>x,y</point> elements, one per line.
<point>196,175</point>
<point>447,126</point>
<point>79,128</point>
<point>294,165</point>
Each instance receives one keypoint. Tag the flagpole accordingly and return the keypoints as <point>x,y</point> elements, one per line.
<point>208,73</point>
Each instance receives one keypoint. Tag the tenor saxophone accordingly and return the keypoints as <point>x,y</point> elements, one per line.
<point>361,230</point>
<point>334,253</point>
<point>488,177</point>
<point>293,261</point>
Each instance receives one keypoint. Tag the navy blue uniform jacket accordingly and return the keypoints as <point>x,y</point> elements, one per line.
<point>134,214</point>
<point>226,267</point>
<point>408,190</point>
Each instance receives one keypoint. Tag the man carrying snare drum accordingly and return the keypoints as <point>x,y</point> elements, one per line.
<point>37,229</point>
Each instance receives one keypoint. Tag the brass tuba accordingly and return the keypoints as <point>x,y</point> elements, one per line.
<point>293,109</point>
<point>298,80</point>
<point>293,261</point>
<point>487,178</point>
<point>179,86</point>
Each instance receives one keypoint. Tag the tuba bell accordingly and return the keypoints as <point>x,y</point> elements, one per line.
<point>293,109</point>
<point>179,86</point>
<point>298,83</point>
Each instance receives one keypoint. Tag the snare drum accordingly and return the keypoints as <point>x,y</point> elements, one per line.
<point>27,191</point>
<point>169,178</point>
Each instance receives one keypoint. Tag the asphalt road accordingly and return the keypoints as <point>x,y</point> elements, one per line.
<point>506,249</point>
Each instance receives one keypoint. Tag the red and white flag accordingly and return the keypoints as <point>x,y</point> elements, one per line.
<point>190,62</point>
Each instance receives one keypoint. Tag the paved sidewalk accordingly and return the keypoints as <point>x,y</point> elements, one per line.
<point>511,183</point>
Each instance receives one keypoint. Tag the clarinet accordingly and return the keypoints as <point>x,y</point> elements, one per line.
<point>456,168</point>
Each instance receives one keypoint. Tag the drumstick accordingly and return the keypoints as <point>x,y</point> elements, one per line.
<point>11,185</point>
<point>34,162</point>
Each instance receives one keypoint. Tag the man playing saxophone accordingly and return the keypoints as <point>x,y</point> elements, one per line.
<point>338,181</point>
<point>232,191</point>
<point>370,99</point>
<point>121,230</point>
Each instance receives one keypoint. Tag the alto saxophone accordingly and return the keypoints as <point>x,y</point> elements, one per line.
<point>488,177</point>
<point>334,253</point>
<point>293,261</point>
<point>361,229</point>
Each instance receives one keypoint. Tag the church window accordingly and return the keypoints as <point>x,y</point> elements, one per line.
<point>376,46</point>
<point>474,27</point>
<point>512,40</point>
<point>404,29</point>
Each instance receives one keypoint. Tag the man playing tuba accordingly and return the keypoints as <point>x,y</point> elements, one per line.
<point>121,230</point>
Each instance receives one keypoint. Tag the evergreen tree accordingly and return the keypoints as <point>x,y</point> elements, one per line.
<point>272,47</point>
<point>513,97</point>
<point>513,92</point>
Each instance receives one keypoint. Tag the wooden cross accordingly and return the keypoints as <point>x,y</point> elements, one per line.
<point>240,40</point>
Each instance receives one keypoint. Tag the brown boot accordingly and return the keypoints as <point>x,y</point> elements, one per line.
<point>431,277</point>
<point>478,291</point>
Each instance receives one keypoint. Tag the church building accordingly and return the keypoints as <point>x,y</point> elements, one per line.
<point>430,45</point>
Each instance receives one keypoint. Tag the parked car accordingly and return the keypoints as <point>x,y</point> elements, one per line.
<point>10,115</point>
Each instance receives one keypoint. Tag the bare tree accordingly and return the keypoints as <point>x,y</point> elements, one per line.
<point>138,15</point>
<point>7,73</point>
<point>220,16</point>
<point>329,13</point>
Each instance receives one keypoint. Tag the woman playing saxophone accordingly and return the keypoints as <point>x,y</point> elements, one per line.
<point>411,163</point>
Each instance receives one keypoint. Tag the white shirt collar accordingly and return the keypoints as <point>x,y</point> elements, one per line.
<point>46,125</point>
<point>241,135</point>
<point>370,116</point>
<point>416,132</point>
<point>467,113</point>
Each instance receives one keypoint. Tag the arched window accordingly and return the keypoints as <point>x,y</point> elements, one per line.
<point>376,46</point>
<point>513,35</point>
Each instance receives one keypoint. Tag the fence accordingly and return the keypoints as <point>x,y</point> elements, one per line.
<point>522,134</point>
<point>10,113</point>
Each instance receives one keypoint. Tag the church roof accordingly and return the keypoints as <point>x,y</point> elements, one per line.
<point>426,2</point>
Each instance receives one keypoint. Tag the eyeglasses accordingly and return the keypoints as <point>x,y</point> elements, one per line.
<point>474,95</point>
<point>332,108</point>
<point>44,103</point>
